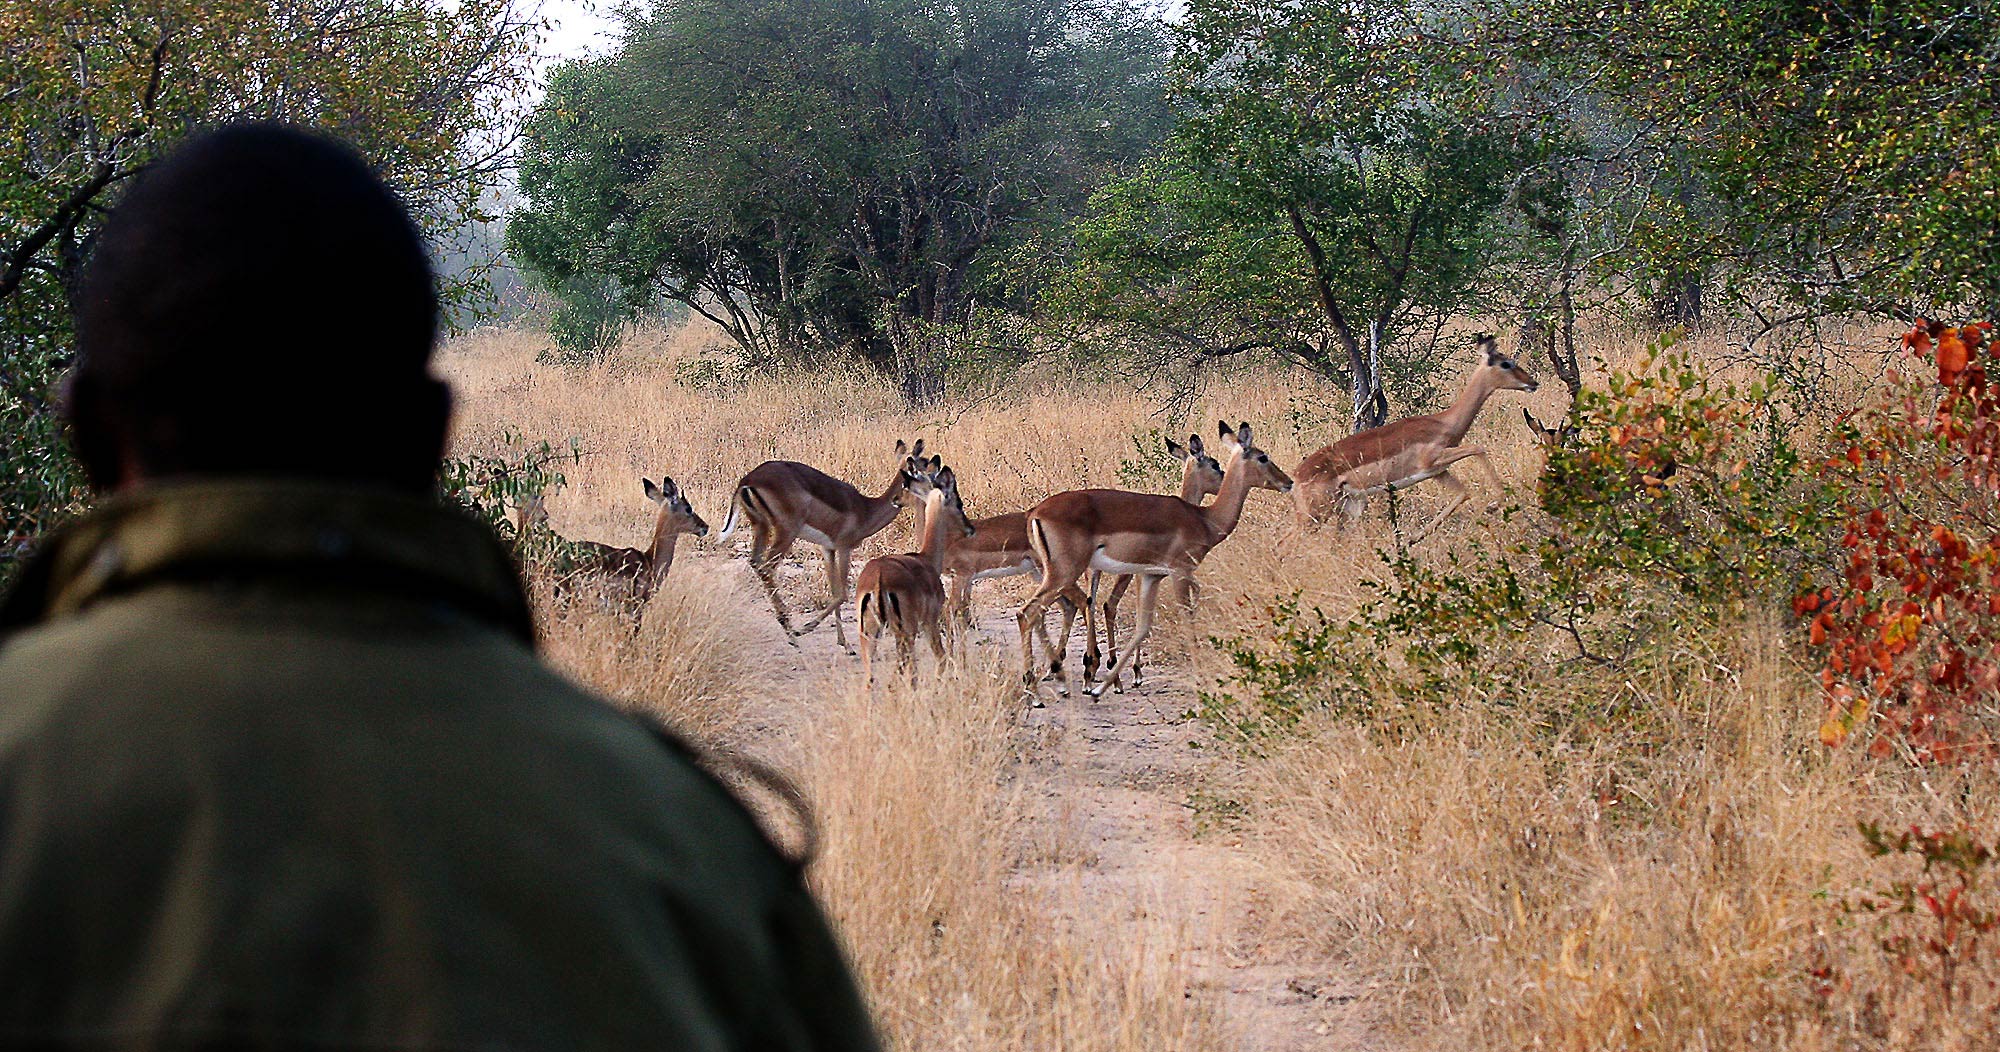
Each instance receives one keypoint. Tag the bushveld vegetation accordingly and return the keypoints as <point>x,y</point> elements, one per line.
<point>1686,739</point>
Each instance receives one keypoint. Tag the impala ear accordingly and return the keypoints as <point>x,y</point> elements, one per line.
<point>652,492</point>
<point>918,449</point>
<point>1533,424</point>
<point>667,487</point>
<point>1194,445</point>
<point>1176,450</point>
<point>902,447</point>
<point>1243,437</point>
<point>946,480</point>
<point>1223,429</point>
<point>1488,345</point>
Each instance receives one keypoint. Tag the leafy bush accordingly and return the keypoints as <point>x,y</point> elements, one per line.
<point>1685,502</point>
<point>489,485</point>
<point>1912,628</point>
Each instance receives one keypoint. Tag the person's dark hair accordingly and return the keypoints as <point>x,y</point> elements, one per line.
<point>258,303</point>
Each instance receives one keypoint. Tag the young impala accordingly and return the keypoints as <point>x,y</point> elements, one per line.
<point>1152,536</point>
<point>785,501</point>
<point>905,593</point>
<point>640,571</point>
<point>1339,479</point>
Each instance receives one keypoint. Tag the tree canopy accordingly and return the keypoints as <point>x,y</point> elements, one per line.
<point>94,90</point>
<point>824,178</point>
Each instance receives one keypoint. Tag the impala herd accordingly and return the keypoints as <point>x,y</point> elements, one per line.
<point>1151,537</point>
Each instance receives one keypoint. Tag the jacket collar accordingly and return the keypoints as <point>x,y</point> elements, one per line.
<point>368,539</point>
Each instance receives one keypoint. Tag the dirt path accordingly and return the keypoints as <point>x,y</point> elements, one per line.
<point>1119,776</point>
<point>1126,770</point>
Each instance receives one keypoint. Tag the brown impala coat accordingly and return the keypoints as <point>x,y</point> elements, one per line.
<point>1338,479</point>
<point>905,593</point>
<point>1152,536</point>
<point>785,501</point>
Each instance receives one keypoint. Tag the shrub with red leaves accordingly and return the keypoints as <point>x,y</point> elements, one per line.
<point>1912,631</point>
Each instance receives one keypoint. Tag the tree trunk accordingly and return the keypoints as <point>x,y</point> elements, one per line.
<point>1678,302</point>
<point>1371,409</point>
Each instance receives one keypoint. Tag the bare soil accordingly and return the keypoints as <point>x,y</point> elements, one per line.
<point>1122,779</point>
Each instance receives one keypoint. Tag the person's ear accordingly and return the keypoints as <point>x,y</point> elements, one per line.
<point>95,434</point>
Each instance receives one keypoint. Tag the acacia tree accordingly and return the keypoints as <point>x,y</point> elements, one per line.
<point>1327,157</point>
<point>91,91</point>
<point>822,179</point>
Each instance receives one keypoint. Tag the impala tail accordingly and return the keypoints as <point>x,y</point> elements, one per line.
<point>729,521</point>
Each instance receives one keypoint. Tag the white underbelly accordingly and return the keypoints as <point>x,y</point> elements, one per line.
<point>1102,562</point>
<point>812,536</point>
<point>1014,570</point>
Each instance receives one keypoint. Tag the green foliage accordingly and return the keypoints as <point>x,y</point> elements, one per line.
<point>1328,191</point>
<point>1685,503</point>
<point>793,169</point>
<point>1840,154</point>
<point>490,485</point>
<point>94,90</point>
<point>585,320</point>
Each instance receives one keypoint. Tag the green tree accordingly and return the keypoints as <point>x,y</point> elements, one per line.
<point>1838,155</point>
<point>822,179</point>
<point>94,90</point>
<point>1329,190</point>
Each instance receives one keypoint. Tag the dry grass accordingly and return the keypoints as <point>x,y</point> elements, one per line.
<point>941,870</point>
<point>1501,888</point>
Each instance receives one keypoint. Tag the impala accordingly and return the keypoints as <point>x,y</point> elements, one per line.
<point>1556,439</point>
<point>999,548</point>
<point>905,593</point>
<point>1201,476</point>
<point>640,570</point>
<point>785,501</point>
<point>1152,536</point>
<point>1551,438</point>
<point>1341,477</point>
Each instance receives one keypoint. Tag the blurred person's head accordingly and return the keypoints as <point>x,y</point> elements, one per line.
<point>258,304</point>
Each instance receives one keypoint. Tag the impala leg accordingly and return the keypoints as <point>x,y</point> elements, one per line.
<point>1149,595</point>
<point>836,584</point>
<point>935,630</point>
<point>906,651</point>
<point>1111,601</point>
<point>867,626</point>
<point>768,548</point>
<point>1458,496</point>
<point>961,600</point>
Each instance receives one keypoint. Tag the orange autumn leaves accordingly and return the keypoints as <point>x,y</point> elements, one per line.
<point>1912,629</point>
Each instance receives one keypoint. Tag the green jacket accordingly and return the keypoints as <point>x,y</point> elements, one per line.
<point>279,768</point>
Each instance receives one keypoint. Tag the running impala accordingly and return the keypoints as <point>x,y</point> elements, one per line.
<point>1338,479</point>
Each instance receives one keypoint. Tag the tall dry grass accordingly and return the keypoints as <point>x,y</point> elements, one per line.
<point>942,870</point>
<point>1675,887</point>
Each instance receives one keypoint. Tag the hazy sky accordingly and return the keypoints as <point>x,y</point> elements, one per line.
<point>576,27</point>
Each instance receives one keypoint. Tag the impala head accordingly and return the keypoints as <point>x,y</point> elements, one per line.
<point>1551,438</point>
<point>944,484</point>
<point>917,478</point>
<point>1197,466</point>
<point>912,481</point>
<point>1506,374</point>
<point>532,513</point>
<point>676,514</point>
<point>1241,446</point>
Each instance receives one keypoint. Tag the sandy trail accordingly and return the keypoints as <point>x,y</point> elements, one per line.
<point>1118,776</point>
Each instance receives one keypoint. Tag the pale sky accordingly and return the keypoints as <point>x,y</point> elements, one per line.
<point>576,27</point>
